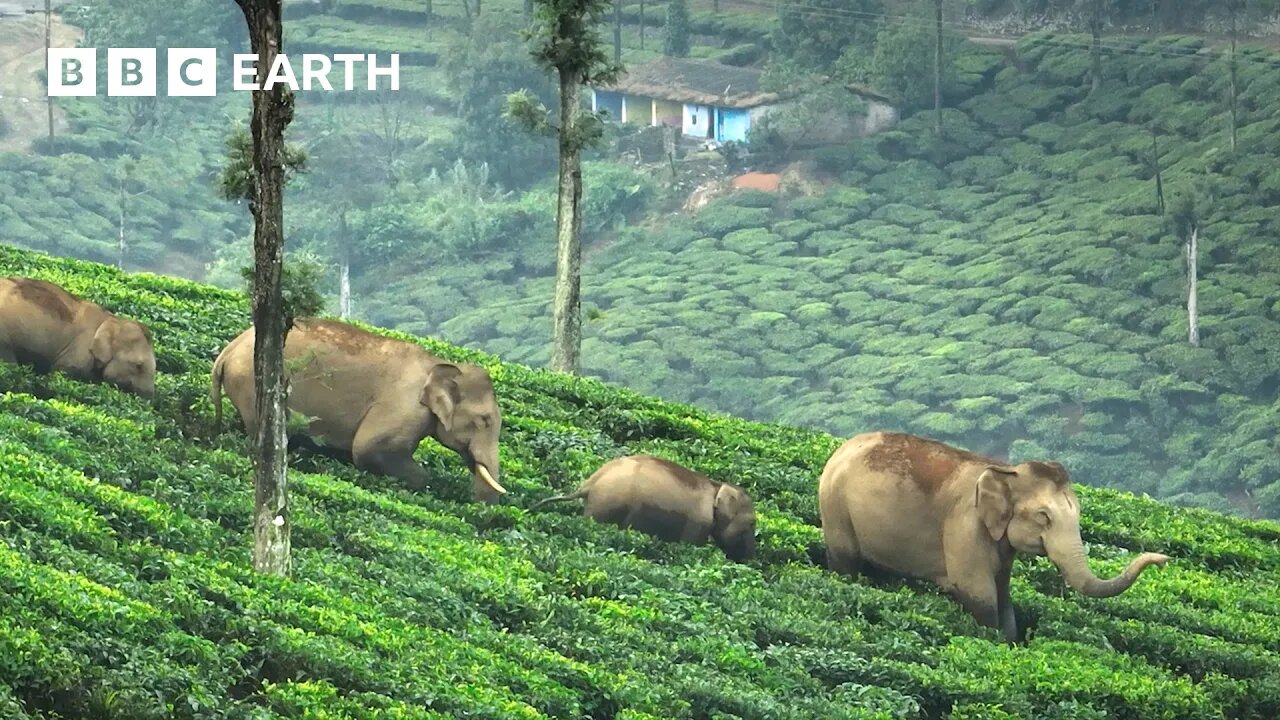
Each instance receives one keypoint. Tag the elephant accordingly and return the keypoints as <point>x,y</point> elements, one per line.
<point>374,399</point>
<point>917,507</point>
<point>44,326</point>
<point>661,498</point>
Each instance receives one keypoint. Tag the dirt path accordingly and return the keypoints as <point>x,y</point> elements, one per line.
<point>22,94</point>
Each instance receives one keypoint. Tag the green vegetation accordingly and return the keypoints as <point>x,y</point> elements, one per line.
<point>1025,299</point>
<point>126,589</point>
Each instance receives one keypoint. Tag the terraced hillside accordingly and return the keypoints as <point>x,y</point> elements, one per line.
<point>1025,297</point>
<point>125,589</point>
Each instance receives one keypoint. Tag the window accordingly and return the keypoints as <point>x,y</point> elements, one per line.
<point>693,118</point>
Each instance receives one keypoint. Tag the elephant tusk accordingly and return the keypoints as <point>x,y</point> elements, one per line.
<point>483,472</point>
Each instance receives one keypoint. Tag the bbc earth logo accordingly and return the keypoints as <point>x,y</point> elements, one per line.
<point>192,72</point>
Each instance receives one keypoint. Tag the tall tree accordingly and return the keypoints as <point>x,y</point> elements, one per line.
<point>272,112</point>
<point>675,42</point>
<point>617,31</point>
<point>1095,48</point>
<point>815,33</point>
<point>1233,8</point>
<point>566,41</point>
<point>124,178</point>
<point>937,69</point>
<point>48,41</point>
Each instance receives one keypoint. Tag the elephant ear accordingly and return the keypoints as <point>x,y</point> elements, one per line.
<point>992,500</point>
<point>100,350</point>
<point>441,394</point>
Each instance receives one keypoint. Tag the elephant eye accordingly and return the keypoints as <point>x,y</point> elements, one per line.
<point>1043,517</point>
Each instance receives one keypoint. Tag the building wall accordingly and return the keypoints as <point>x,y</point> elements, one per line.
<point>637,109</point>
<point>697,121</point>
<point>610,102</point>
<point>668,112</point>
<point>732,124</point>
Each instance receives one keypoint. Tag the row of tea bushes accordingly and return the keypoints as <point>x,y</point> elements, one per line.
<point>126,588</point>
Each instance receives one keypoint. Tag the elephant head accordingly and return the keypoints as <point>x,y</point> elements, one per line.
<point>734,523</point>
<point>1034,507</point>
<point>466,419</point>
<point>122,354</point>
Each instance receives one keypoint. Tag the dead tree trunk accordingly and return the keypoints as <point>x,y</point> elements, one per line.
<point>1155,163</point>
<point>567,342</point>
<point>1233,7</point>
<point>48,42</point>
<point>937,69</point>
<point>120,246</point>
<point>617,31</point>
<point>1193,310</point>
<point>344,269</point>
<point>1095,52</point>
<point>272,112</point>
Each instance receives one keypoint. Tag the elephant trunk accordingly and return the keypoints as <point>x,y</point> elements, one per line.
<point>1071,561</point>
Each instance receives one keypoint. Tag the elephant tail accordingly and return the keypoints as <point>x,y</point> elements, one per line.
<point>581,493</point>
<point>215,392</point>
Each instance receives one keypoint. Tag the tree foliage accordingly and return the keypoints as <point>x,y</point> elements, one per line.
<point>815,33</point>
<point>675,40</point>
<point>482,73</point>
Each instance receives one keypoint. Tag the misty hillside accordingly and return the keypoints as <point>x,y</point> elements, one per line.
<point>127,592</point>
<point>1017,290</point>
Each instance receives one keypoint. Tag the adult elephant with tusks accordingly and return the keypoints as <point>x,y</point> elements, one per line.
<point>917,507</point>
<point>375,397</point>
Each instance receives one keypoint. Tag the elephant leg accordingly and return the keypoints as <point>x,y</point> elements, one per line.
<point>1004,601</point>
<point>971,571</point>
<point>844,556</point>
<point>377,450</point>
<point>393,464</point>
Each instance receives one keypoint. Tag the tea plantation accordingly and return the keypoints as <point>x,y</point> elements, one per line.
<point>1025,296</point>
<point>125,588</point>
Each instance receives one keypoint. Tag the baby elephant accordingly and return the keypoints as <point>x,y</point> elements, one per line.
<point>47,327</point>
<point>670,502</point>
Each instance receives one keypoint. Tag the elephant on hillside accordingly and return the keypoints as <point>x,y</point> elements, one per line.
<point>920,508</point>
<point>660,498</point>
<point>376,398</point>
<point>45,326</point>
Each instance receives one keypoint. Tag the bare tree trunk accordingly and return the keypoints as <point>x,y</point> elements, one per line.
<point>1233,7</point>
<point>528,9</point>
<point>617,31</point>
<point>1193,311</point>
<point>344,270</point>
<point>48,42</point>
<point>567,342</point>
<point>120,247</point>
<point>715,6</point>
<point>272,112</point>
<point>937,69</point>
<point>1155,161</point>
<point>1155,20</point>
<point>1095,52</point>
<point>641,24</point>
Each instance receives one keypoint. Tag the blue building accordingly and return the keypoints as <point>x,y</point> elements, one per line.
<point>705,99</point>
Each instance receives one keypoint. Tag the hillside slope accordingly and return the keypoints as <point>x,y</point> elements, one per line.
<point>125,588</point>
<point>1025,296</point>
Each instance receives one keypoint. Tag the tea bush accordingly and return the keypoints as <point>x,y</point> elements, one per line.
<point>126,592</point>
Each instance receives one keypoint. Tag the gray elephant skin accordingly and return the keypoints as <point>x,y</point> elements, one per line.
<point>48,328</point>
<point>375,398</point>
<point>666,500</point>
<point>920,508</point>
